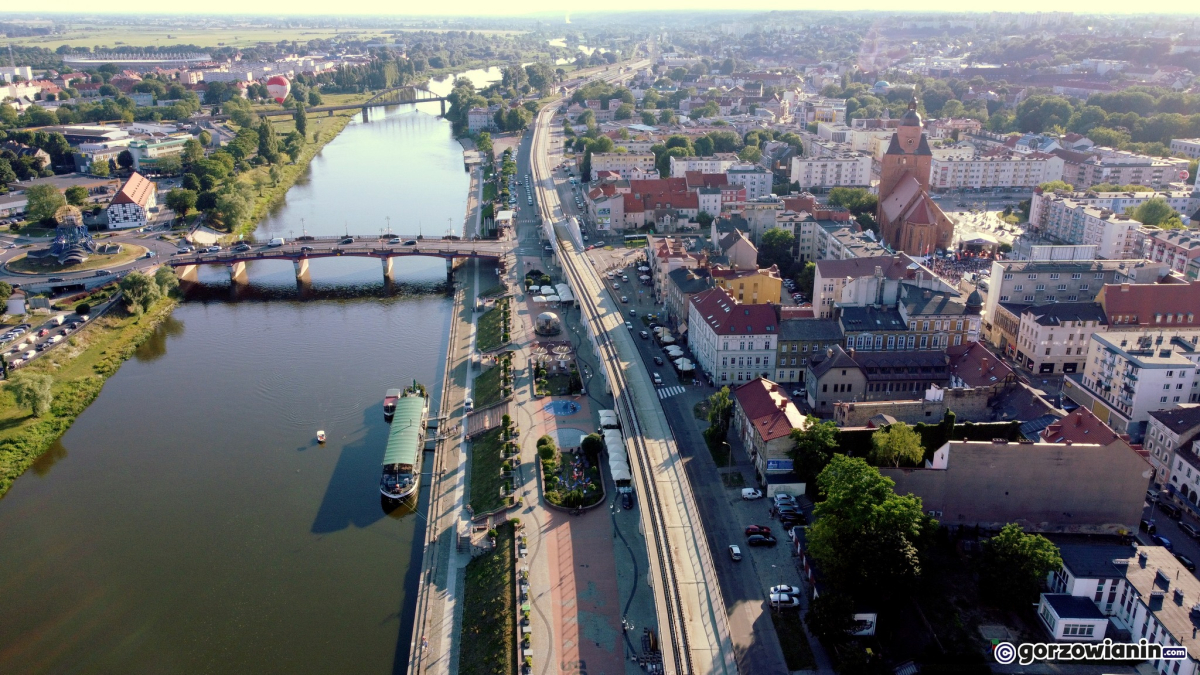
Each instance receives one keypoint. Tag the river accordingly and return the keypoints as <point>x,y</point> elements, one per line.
<point>189,522</point>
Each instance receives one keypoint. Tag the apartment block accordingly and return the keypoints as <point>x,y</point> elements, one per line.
<point>627,165</point>
<point>1115,235</point>
<point>1003,170</point>
<point>851,169</point>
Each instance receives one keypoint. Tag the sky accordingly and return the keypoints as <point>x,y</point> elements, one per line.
<point>556,7</point>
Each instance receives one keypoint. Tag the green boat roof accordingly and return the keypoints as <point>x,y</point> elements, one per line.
<point>404,439</point>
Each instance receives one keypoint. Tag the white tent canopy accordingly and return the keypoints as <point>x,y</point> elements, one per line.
<point>547,290</point>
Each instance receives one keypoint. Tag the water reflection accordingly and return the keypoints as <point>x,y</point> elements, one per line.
<point>155,347</point>
<point>42,465</point>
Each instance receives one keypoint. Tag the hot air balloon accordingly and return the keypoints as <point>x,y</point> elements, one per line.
<point>278,87</point>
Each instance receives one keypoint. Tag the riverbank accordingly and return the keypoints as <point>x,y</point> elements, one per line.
<point>79,372</point>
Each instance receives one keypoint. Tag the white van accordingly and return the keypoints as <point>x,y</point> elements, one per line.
<point>468,404</point>
<point>30,354</point>
<point>276,242</point>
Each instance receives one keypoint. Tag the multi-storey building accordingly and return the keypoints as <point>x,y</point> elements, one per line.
<point>1055,338</point>
<point>1105,165</point>
<point>799,339</point>
<point>1130,373</point>
<point>732,342</point>
<point>718,163</point>
<point>752,286</point>
<point>851,169</point>
<point>756,179</point>
<point>480,119</point>
<point>870,280</point>
<point>1176,248</point>
<point>665,254</point>
<point>626,164</point>
<point>838,375</point>
<point>683,283</point>
<point>1115,235</point>
<point>1189,147</point>
<point>764,417</point>
<point>1167,432</point>
<point>1183,201</point>
<point>132,204</point>
<point>1004,169</point>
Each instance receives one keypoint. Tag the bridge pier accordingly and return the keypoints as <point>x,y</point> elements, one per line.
<point>387,268</point>
<point>237,273</point>
<point>443,102</point>
<point>364,114</point>
<point>301,266</point>
<point>187,272</point>
<point>451,264</point>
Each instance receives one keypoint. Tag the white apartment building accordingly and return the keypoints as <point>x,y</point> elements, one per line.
<point>1186,146</point>
<point>623,163</point>
<point>479,119</point>
<point>7,73</point>
<point>1169,431</point>
<point>718,163</point>
<point>821,173</point>
<point>1105,165</point>
<point>1130,373</point>
<point>1183,201</point>
<point>1055,338</point>
<point>1116,235</point>
<point>994,171</point>
<point>756,179</point>
<point>732,342</point>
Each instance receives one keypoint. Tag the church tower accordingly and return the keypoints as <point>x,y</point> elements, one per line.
<point>909,220</point>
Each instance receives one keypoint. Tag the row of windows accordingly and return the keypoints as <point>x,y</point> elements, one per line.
<point>897,386</point>
<point>1054,276</point>
<point>865,342</point>
<point>745,361</point>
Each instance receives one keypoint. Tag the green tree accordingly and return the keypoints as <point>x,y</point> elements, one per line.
<point>1055,186</point>
<point>301,119</point>
<point>125,160</point>
<point>806,278</point>
<point>720,413</point>
<point>234,204</point>
<point>181,201</point>
<point>275,175</point>
<point>43,201</point>
<point>648,118</point>
<point>240,112</point>
<point>139,291</point>
<point>750,153</point>
<point>6,290</point>
<point>865,537</point>
<point>314,98</point>
<point>192,150</point>
<point>897,444</point>
<point>7,175</point>
<point>830,617</point>
<point>165,278</point>
<point>814,445</point>
<point>1014,564</point>
<point>1154,212</point>
<point>77,195</point>
<point>33,391</point>
<point>775,248</point>
<point>205,138</point>
<point>100,169</point>
<point>191,182</point>
<point>168,166</point>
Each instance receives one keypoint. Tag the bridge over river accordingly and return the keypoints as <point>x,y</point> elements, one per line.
<point>302,251</point>
<point>393,96</point>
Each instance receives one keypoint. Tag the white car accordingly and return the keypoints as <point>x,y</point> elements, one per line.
<point>785,600</point>
<point>735,552</point>
<point>783,498</point>
<point>751,493</point>
<point>785,590</point>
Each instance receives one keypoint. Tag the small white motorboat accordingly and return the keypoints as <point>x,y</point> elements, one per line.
<point>320,436</point>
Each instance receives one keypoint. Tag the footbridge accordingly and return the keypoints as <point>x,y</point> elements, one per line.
<point>306,249</point>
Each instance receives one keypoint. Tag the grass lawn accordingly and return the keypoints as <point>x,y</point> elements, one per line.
<point>485,472</point>
<point>129,252</point>
<point>559,385</point>
<point>489,626</point>
<point>487,387</point>
<point>796,652</point>
<point>489,192</point>
<point>490,329</point>
<point>79,369</point>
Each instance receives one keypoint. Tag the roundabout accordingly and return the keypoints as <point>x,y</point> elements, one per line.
<point>23,264</point>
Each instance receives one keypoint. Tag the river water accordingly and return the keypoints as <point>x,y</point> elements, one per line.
<point>189,522</point>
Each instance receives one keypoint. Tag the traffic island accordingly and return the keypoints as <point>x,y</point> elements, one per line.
<point>23,264</point>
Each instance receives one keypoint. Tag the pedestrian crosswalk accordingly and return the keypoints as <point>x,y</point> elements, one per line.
<point>667,392</point>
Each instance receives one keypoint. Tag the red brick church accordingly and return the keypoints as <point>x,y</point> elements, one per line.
<point>909,220</point>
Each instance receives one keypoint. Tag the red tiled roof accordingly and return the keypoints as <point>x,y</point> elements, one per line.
<point>136,190</point>
<point>1080,426</point>
<point>894,267</point>
<point>658,185</point>
<point>1141,304</point>
<point>724,316</point>
<point>698,179</point>
<point>977,366</point>
<point>768,408</point>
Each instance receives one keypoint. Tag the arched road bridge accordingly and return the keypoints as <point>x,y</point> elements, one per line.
<point>300,252</point>
<point>393,96</point>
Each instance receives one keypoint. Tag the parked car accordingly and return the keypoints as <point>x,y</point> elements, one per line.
<point>213,249</point>
<point>785,590</point>
<point>658,360</point>
<point>783,498</point>
<point>54,279</point>
<point>1171,510</point>
<point>735,552</point>
<point>1163,541</point>
<point>785,601</point>
<point>757,529</point>
<point>1151,496</point>
<point>627,500</point>
<point>629,325</point>
<point>751,493</point>
<point>1191,530</point>
<point>1186,562</point>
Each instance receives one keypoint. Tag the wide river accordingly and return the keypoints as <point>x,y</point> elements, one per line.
<point>189,522</point>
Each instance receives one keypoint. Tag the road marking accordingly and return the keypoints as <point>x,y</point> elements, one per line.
<point>667,392</point>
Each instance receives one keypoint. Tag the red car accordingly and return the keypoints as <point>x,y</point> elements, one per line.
<point>757,529</point>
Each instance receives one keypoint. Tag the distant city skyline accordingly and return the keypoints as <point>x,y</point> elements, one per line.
<point>482,9</point>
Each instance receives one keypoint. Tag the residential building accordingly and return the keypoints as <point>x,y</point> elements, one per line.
<point>850,169</point>
<point>1092,569</point>
<point>1183,201</point>
<point>973,367</point>
<point>133,203</point>
<point>1070,618</point>
<point>1130,373</point>
<point>665,254</point>
<point>750,285</point>
<point>839,375</point>
<point>622,163</point>
<point>684,283</point>
<point>1043,487</point>
<point>718,163</point>
<point>799,339</point>
<point>1004,169</point>
<point>763,418</point>
<point>872,280</point>
<point>842,241</point>
<point>1105,165</point>
<point>22,150</point>
<point>480,119</point>
<point>736,251</point>
<point>1055,338</point>
<point>909,219</point>
<point>1168,432</point>
<point>756,179</point>
<point>1115,235</point>
<point>1189,147</point>
<point>732,342</point>
<point>1177,248</point>
<point>7,73</point>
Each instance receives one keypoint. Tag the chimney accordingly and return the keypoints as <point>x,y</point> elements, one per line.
<point>1178,597</point>
<point>1142,558</point>
<point>983,364</point>
<point>1156,601</point>
<point>1078,419</point>
<point>829,352</point>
